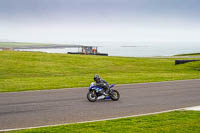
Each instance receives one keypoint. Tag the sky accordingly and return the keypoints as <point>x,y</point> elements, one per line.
<point>100,20</point>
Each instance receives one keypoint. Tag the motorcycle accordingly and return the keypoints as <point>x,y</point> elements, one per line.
<point>96,93</point>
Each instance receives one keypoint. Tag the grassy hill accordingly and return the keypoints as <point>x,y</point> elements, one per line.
<point>20,71</point>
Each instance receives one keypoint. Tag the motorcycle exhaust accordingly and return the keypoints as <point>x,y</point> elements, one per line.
<point>100,97</point>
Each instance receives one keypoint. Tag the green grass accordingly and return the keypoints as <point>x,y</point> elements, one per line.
<point>190,54</point>
<point>172,122</point>
<point>20,71</point>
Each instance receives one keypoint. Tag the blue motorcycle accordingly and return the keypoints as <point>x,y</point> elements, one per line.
<point>96,93</point>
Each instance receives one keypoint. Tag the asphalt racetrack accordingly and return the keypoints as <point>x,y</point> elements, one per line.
<point>48,107</point>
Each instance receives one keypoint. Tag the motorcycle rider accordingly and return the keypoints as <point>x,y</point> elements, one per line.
<point>101,83</point>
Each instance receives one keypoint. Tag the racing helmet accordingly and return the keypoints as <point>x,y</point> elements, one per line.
<point>96,78</point>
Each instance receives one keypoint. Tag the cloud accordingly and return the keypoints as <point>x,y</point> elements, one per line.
<point>109,8</point>
<point>99,19</point>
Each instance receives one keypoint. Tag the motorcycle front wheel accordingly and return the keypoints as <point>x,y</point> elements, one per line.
<point>91,96</point>
<point>114,95</point>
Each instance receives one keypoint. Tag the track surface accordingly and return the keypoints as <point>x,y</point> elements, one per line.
<point>39,108</point>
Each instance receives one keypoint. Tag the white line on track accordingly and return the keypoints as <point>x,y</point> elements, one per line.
<point>195,108</point>
<point>186,108</point>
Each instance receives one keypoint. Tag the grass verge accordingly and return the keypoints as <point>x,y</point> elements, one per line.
<point>21,71</point>
<point>190,54</point>
<point>176,121</point>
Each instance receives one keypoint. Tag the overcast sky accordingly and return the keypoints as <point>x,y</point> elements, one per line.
<point>99,20</point>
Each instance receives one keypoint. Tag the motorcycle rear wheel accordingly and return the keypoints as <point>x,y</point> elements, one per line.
<point>91,96</point>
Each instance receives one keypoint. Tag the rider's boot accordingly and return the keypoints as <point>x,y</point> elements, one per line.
<point>106,92</point>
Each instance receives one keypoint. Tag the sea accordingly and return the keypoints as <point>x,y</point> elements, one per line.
<point>130,49</point>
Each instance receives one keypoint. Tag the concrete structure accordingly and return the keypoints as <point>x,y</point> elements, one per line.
<point>89,50</point>
<point>7,49</point>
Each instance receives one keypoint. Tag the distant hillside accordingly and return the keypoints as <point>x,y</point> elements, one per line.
<point>28,45</point>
